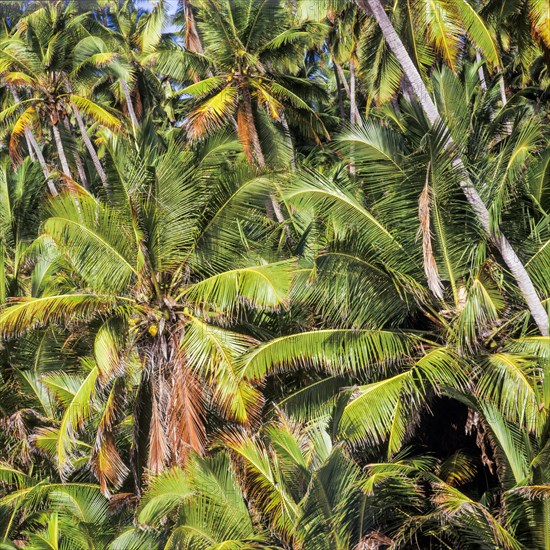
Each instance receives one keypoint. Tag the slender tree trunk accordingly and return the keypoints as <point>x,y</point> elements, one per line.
<point>89,145</point>
<point>502,88</point>
<point>41,160</point>
<point>33,145</point>
<point>339,93</point>
<point>129,103</point>
<point>78,160</point>
<point>86,138</point>
<point>480,72</point>
<point>252,141</point>
<point>350,89</point>
<point>61,150</point>
<point>354,111</point>
<point>342,78</point>
<point>500,241</point>
<point>255,153</point>
<point>29,146</point>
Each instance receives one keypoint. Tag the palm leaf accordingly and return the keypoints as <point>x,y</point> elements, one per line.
<point>264,285</point>
<point>29,313</point>
<point>334,350</point>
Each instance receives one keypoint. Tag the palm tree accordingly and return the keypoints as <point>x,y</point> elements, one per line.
<point>384,246</point>
<point>248,72</point>
<point>171,284</point>
<point>37,60</point>
<point>53,515</point>
<point>20,195</point>
<point>295,482</point>
<point>514,264</point>
<point>122,50</point>
<point>512,429</point>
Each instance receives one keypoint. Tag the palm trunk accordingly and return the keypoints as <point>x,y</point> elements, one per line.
<point>252,141</point>
<point>255,153</point>
<point>354,111</point>
<point>89,145</point>
<point>129,104</point>
<point>480,72</point>
<point>33,145</point>
<point>342,78</point>
<point>504,99</point>
<point>502,88</point>
<point>41,160</point>
<point>29,146</point>
<point>61,150</point>
<point>503,246</point>
<point>339,93</point>
<point>86,138</point>
<point>78,160</point>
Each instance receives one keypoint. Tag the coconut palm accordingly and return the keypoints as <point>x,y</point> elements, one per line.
<point>514,264</point>
<point>295,481</point>
<point>121,50</point>
<point>39,514</point>
<point>416,257</point>
<point>172,285</point>
<point>248,72</point>
<point>36,61</point>
<point>177,372</point>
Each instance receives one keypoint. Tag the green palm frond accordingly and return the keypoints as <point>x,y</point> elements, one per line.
<point>97,112</point>
<point>167,492</point>
<point>213,352</point>
<point>77,397</point>
<point>264,285</point>
<point>384,410</point>
<point>29,313</point>
<point>512,383</point>
<point>333,350</point>
<point>91,228</point>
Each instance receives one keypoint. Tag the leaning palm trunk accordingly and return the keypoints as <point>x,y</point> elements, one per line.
<point>33,146</point>
<point>339,92</point>
<point>89,145</point>
<point>86,139</point>
<point>39,155</point>
<point>253,149</point>
<point>61,150</point>
<point>480,72</point>
<point>354,111</point>
<point>498,239</point>
<point>77,159</point>
<point>129,104</point>
<point>350,89</point>
<point>30,148</point>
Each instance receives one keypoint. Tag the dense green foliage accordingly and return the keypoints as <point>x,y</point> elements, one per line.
<point>247,296</point>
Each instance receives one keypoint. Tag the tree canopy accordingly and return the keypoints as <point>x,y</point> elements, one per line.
<point>274,274</point>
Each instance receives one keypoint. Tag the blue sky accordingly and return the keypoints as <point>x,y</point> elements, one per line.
<point>149,4</point>
<point>172,6</point>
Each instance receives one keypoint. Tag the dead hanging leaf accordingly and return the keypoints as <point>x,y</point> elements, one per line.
<point>106,463</point>
<point>192,40</point>
<point>186,423</point>
<point>430,265</point>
